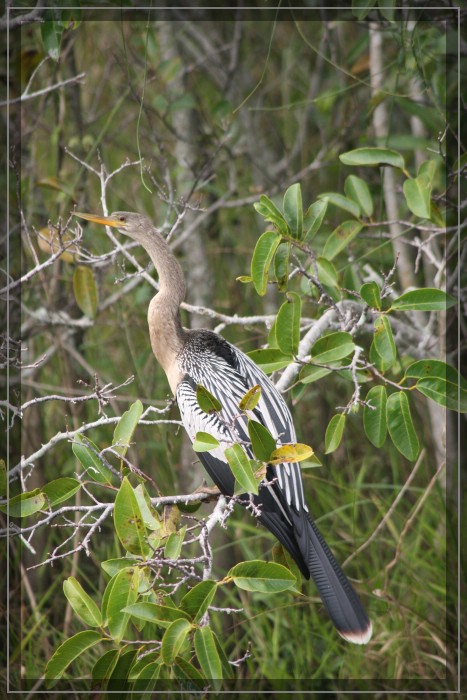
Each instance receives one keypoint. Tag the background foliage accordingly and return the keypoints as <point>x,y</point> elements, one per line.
<point>194,123</point>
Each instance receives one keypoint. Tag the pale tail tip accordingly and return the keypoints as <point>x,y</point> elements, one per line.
<point>360,637</point>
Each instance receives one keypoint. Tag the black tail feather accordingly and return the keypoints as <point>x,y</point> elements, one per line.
<point>339,597</point>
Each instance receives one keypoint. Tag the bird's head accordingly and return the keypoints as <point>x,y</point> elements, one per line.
<point>134,225</point>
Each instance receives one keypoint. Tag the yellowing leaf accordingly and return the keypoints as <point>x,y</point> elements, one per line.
<point>290,453</point>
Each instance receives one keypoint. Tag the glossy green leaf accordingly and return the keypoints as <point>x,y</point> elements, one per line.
<point>206,401</point>
<point>293,210</point>
<point>150,515</point>
<point>173,639</point>
<point>314,217</point>
<point>262,577</point>
<point>428,299</point>
<point>312,373</point>
<point>288,324</point>
<point>204,442</point>
<point>126,427</point>
<point>417,193</point>
<point>262,258</point>
<point>113,566</point>
<point>128,520</point>
<point>196,602</point>
<point>51,35</point>
<point>400,425</point>
<point>250,399</point>
<point>69,651</point>
<point>373,156</point>
<point>123,592</point>
<point>104,666</point>
<point>87,453</point>
<point>241,468</point>
<point>184,670</point>
<point>327,273</point>
<point>357,190</point>
<point>174,543</point>
<point>138,669</point>
<point>332,347</point>
<point>227,668</point>
<point>384,341</point>
<point>270,359</point>
<point>119,675</point>
<point>85,290</point>
<point>262,442</point>
<point>376,359</point>
<point>440,382</point>
<point>341,202</point>
<point>334,432</point>
<point>60,490</point>
<point>161,615</point>
<point>24,504</point>
<point>340,238</point>
<point>268,210</point>
<point>206,653</point>
<point>371,295</point>
<point>296,452</point>
<point>281,266</point>
<point>82,603</point>
<point>374,420</point>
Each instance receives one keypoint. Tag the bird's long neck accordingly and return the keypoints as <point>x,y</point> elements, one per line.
<point>165,329</point>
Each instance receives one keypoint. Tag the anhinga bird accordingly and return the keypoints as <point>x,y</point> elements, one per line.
<point>192,357</point>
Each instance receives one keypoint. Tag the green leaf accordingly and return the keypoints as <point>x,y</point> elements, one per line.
<point>250,399</point>
<point>173,546</point>
<point>119,676</point>
<point>263,255</point>
<point>314,217</point>
<point>428,115</point>
<point>428,299</point>
<point>417,193</point>
<point>362,8</point>
<point>270,359</point>
<point>123,592</point>
<point>198,599</point>
<point>311,373</point>
<point>51,35</point>
<point>128,520</point>
<point>82,603</point>
<point>356,189</point>
<point>173,639</point>
<point>374,420</point>
<point>341,237</point>
<point>184,670</point>
<point>69,651</point>
<point>341,202</point>
<point>161,615</point>
<point>3,479</point>
<point>104,666</point>
<point>268,210</point>
<point>373,156</point>
<point>384,341</point>
<point>296,452</point>
<point>334,433</point>
<point>24,504</point>
<point>440,382</point>
<point>126,427</point>
<point>293,210</point>
<point>332,347</point>
<point>83,450</point>
<point>281,266</point>
<point>206,401</point>
<point>400,425</point>
<point>241,468</point>
<point>288,324</point>
<point>204,442</point>
<point>262,577</point>
<point>85,290</point>
<point>371,295</point>
<point>150,515</point>
<point>262,442</point>
<point>60,490</point>
<point>138,670</point>
<point>206,653</point>
<point>327,273</point>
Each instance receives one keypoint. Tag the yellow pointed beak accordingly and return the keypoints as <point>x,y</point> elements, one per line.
<point>96,219</point>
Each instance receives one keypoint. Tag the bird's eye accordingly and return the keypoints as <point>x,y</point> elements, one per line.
<point>122,218</point>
